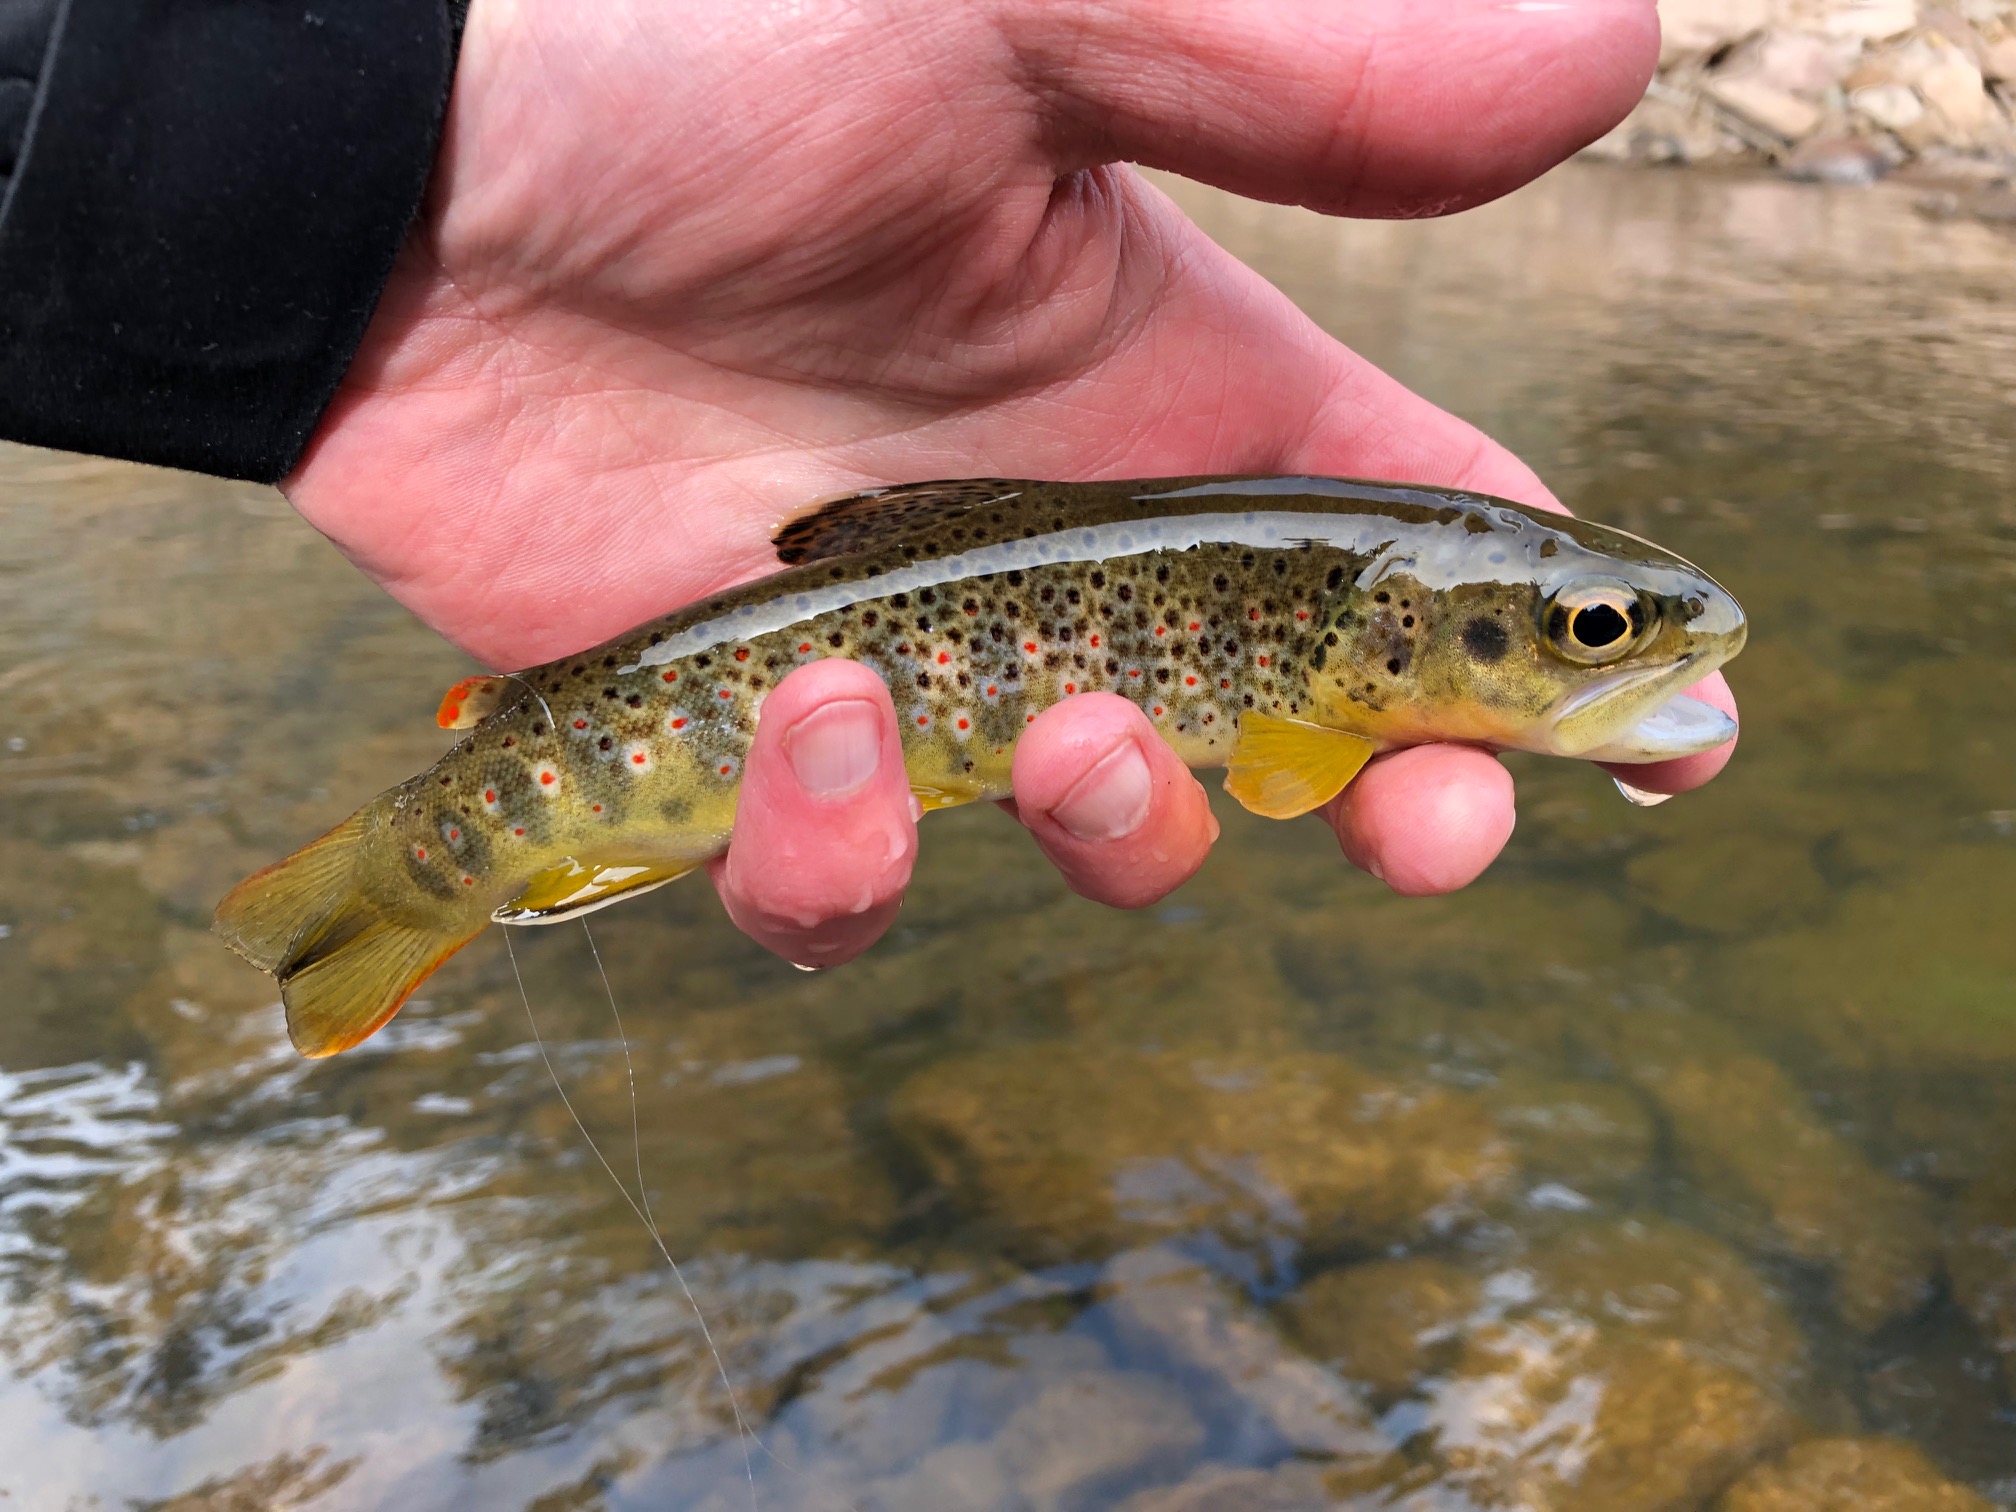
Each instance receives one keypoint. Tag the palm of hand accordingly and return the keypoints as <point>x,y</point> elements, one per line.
<point>686,268</point>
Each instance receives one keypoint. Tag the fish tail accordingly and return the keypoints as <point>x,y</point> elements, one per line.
<point>345,963</point>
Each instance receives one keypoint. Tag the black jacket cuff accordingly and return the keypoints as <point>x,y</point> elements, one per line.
<point>206,202</point>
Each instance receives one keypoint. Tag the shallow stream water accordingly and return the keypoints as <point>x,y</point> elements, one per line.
<point>1673,1162</point>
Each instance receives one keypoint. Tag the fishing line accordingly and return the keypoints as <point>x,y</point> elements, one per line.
<point>744,1433</point>
<point>637,1148</point>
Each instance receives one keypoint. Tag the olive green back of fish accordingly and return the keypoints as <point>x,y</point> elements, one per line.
<point>1286,628</point>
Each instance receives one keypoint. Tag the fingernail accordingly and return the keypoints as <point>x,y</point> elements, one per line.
<point>1110,801</point>
<point>835,749</point>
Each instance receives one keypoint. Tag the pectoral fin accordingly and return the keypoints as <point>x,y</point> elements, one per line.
<point>1284,767</point>
<point>469,702</point>
<point>573,888</point>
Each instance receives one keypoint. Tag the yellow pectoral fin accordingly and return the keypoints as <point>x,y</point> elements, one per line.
<point>469,702</point>
<point>931,798</point>
<point>1284,767</point>
<point>573,888</point>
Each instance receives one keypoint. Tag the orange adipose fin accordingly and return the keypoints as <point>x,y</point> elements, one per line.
<point>1284,767</point>
<point>573,888</point>
<point>469,702</point>
<point>343,966</point>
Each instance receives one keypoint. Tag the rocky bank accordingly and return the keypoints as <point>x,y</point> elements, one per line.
<point>1840,91</point>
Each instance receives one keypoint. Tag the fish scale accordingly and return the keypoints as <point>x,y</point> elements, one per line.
<point>1285,627</point>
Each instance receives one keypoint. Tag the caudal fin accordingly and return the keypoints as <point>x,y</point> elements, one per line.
<point>344,965</point>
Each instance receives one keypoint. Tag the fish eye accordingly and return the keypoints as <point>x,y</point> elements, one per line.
<point>1596,620</point>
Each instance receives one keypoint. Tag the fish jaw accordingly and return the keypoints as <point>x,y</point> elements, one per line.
<point>1681,726</point>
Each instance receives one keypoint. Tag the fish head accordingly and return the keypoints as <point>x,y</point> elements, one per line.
<point>1542,633</point>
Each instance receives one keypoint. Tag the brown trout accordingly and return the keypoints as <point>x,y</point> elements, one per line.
<point>1285,628</point>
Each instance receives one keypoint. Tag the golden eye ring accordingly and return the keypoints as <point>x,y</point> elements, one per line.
<point>1596,620</point>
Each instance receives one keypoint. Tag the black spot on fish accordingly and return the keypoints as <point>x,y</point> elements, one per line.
<point>1098,580</point>
<point>1393,665</point>
<point>1336,579</point>
<point>899,601</point>
<point>1485,639</point>
<point>604,743</point>
<point>635,700</point>
<point>871,619</point>
<point>836,640</point>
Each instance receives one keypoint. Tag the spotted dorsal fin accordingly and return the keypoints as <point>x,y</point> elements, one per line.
<point>1284,767</point>
<point>881,517</point>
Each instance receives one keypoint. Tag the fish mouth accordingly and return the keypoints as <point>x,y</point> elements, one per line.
<point>1595,722</point>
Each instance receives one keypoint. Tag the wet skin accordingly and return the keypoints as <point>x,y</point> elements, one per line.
<point>610,377</point>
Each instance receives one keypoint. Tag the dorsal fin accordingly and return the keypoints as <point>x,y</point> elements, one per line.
<point>881,517</point>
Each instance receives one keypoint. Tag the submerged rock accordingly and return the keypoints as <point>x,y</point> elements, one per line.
<point>1080,1152</point>
<point>1749,1139</point>
<point>1176,1318</point>
<point>1613,1367</point>
<point>1577,1141</point>
<point>1550,1413</point>
<point>1090,1432</point>
<point>1981,1259</point>
<point>1381,1323</point>
<point>1850,1475</point>
<point>1293,1487</point>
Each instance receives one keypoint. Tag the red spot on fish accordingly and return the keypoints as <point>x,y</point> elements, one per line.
<point>1133,671</point>
<point>1224,682</point>
<point>596,807</point>
<point>671,677</point>
<point>1029,719</point>
<point>963,724</point>
<point>1252,614</point>
<point>637,759</point>
<point>678,724</point>
<point>923,720</point>
<point>452,713</point>
<point>580,724</point>
<point>419,853</point>
<point>1191,681</point>
<point>742,654</point>
<point>489,795</point>
<point>454,834</point>
<point>1070,687</point>
<point>519,831</point>
<point>944,657</point>
<point>1263,661</point>
<point>1158,711</point>
<point>468,881</point>
<point>1195,626</point>
<point>726,694</point>
<point>727,767</point>
<point>1161,629</point>
<point>1095,640</point>
<point>547,779</point>
<point>1301,614</point>
<point>1030,647</point>
<point>803,647</point>
<point>991,690</point>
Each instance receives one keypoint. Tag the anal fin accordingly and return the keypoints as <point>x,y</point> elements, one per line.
<point>931,799</point>
<point>1284,767</point>
<point>573,887</point>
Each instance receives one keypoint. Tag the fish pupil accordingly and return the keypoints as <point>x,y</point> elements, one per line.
<point>1600,625</point>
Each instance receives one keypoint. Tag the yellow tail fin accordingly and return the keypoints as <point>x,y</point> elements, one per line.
<point>344,966</point>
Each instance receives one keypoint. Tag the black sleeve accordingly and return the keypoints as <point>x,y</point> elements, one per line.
<point>200,201</point>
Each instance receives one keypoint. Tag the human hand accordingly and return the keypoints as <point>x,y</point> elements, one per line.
<point>685,268</point>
